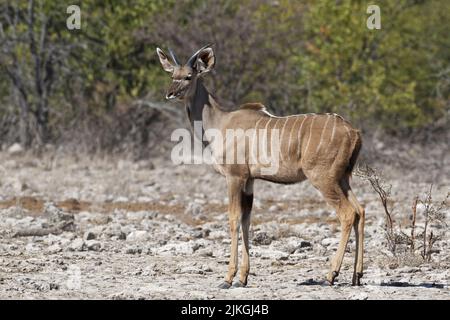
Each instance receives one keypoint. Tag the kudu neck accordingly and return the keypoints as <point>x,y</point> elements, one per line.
<point>198,100</point>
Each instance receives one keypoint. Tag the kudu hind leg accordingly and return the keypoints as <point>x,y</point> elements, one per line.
<point>358,226</point>
<point>359,234</point>
<point>335,196</point>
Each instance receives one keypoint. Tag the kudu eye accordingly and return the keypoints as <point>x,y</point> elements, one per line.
<point>188,77</point>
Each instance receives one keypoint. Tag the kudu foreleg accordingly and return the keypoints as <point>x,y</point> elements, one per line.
<point>235,193</point>
<point>246,204</point>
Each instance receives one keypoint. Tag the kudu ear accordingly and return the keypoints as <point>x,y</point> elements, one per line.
<point>203,60</point>
<point>167,66</point>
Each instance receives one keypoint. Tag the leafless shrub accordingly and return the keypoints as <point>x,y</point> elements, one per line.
<point>433,214</point>
<point>384,192</point>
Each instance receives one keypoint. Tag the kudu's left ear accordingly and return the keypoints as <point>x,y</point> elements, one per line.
<point>203,60</point>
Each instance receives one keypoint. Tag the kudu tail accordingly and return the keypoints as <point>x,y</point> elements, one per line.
<point>345,183</point>
<point>357,144</point>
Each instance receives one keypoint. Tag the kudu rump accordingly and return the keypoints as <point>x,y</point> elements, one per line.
<point>322,148</point>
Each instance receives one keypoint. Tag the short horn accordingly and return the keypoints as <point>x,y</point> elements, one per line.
<point>191,60</point>
<point>174,57</point>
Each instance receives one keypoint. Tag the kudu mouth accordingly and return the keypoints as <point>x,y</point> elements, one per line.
<point>172,95</point>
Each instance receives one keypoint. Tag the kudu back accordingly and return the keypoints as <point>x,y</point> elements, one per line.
<point>321,148</point>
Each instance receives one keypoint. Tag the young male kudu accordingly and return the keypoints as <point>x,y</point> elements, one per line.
<point>322,148</point>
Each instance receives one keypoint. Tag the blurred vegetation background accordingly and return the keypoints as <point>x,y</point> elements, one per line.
<point>91,89</point>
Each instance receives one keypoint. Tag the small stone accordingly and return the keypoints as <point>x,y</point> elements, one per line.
<point>206,268</point>
<point>136,216</point>
<point>193,209</point>
<point>121,199</point>
<point>138,235</point>
<point>93,245</point>
<point>31,247</point>
<point>262,238</point>
<point>197,234</point>
<point>329,242</point>
<point>88,235</point>
<point>133,250</point>
<point>196,246</point>
<point>359,296</point>
<point>52,239</point>
<point>15,149</point>
<point>192,270</point>
<point>205,252</point>
<point>77,245</point>
<point>305,244</point>
<point>393,265</point>
<point>408,270</point>
<point>54,249</point>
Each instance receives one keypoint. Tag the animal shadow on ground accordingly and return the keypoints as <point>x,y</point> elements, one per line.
<point>312,282</point>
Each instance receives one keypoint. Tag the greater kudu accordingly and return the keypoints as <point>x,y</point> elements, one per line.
<point>322,148</point>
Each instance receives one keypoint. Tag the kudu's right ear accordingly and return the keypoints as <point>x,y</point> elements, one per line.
<point>167,66</point>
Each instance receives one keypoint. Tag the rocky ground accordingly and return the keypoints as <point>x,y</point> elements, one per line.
<point>117,229</point>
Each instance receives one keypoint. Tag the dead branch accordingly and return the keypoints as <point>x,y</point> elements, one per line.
<point>40,232</point>
<point>384,192</point>
<point>413,223</point>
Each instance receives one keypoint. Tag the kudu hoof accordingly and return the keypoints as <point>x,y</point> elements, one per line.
<point>357,279</point>
<point>224,285</point>
<point>239,284</point>
<point>331,277</point>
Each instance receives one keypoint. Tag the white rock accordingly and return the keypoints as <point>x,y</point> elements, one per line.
<point>270,253</point>
<point>32,247</point>
<point>77,245</point>
<point>52,239</point>
<point>144,199</point>
<point>124,165</point>
<point>274,208</point>
<point>183,248</point>
<point>121,199</point>
<point>218,234</point>
<point>15,149</point>
<point>54,248</point>
<point>138,235</point>
<point>26,221</point>
<point>193,209</point>
<point>93,245</point>
<point>192,270</point>
<point>329,242</point>
<point>359,296</point>
<point>136,216</point>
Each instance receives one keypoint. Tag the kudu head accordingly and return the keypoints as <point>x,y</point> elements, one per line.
<point>184,77</point>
